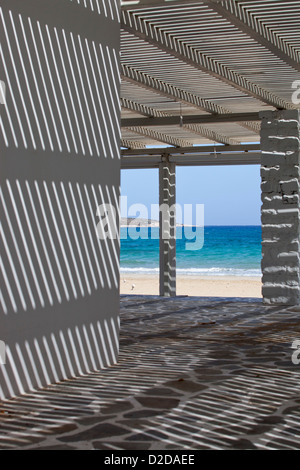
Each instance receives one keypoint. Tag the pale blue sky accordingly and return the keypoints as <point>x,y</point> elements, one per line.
<point>230,194</point>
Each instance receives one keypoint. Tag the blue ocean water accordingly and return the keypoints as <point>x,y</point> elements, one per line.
<point>226,251</point>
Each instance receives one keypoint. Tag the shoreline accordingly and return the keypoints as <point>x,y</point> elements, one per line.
<point>194,285</point>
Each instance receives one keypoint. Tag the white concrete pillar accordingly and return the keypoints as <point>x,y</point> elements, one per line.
<point>167,224</point>
<point>280,160</point>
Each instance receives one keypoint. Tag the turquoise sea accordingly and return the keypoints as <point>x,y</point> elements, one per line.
<point>227,251</point>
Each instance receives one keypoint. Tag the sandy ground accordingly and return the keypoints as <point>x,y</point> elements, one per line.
<point>195,286</point>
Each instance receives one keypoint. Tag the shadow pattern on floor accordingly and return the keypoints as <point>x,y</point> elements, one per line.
<point>193,373</point>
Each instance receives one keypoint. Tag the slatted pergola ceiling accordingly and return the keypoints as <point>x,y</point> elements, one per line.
<point>209,61</point>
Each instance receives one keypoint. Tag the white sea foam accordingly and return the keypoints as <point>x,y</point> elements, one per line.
<point>198,271</point>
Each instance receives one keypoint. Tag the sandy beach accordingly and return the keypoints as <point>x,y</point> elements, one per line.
<point>230,286</point>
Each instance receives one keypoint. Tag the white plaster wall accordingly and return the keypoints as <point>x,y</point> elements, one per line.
<point>59,159</point>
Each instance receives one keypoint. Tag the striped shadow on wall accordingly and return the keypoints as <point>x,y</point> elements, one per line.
<point>59,160</point>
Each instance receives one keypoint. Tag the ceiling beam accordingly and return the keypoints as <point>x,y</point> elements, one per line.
<point>210,134</point>
<point>236,15</point>
<point>194,128</point>
<point>201,149</point>
<point>253,158</point>
<point>153,134</point>
<point>131,144</point>
<point>141,108</point>
<point>143,29</point>
<point>190,119</point>
<point>160,136</point>
<point>172,92</point>
<point>140,4</point>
